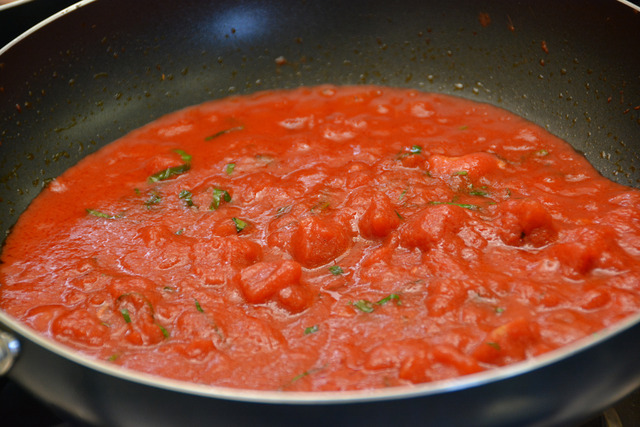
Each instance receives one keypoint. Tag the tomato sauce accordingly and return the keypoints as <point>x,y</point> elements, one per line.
<point>326,238</point>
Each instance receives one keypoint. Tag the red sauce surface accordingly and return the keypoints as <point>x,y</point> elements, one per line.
<point>326,239</point>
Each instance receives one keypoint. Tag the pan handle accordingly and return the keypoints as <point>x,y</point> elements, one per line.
<point>9,350</point>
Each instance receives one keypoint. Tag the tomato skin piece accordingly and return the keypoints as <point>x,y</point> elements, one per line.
<point>262,280</point>
<point>432,226</point>
<point>319,240</point>
<point>414,359</point>
<point>218,260</point>
<point>508,343</point>
<point>80,326</point>
<point>473,165</point>
<point>526,222</point>
<point>380,218</point>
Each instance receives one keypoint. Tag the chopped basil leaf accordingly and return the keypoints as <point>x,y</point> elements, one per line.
<point>542,153</point>
<point>460,173</point>
<point>385,300</point>
<point>304,374</point>
<point>164,331</point>
<point>179,232</point>
<point>462,205</point>
<point>153,200</point>
<point>398,214</point>
<point>283,210</point>
<point>113,358</point>
<point>219,196</point>
<point>414,149</point>
<point>465,127</point>
<point>364,305</point>
<point>170,172</point>
<point>299,376</point>
<point>478,193</point>
<point>223,132</point>
<point>240,224</point>
<point>125,314</point>
<point>320,206</point>
<point>99,214</point>
<point>368,306</point>
<point>311,330</point>
<point>198,307</point>
<point>494,345</point>
<point>186,195</point>
<point>336,270</point>
<point>229,168</point>
<point>499,310</point>
<point>185,157</point>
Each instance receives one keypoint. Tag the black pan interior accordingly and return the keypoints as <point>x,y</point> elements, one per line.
<point>88,78</point>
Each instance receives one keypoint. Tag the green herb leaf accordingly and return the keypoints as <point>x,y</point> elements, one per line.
<point>494,345</point>
<point>364,305</point>
<point>299,376</point>
<point>320,206</point>
<point>478,193</point>
<point>500,310</point>
<point>240,224</point>
<point>164,331</point>
<point>154,199</point>
<point>125,314</point>
<point>186,195</point>
<point>219,196</point>
<point>229,168</point>
<point>460,173</point>
<point>386,299</point>
<point>198,307</point>
<point>169,173</point>
<point>185,157</point>
<point>311,330</point>
<point>223,132</point>
<point>304,374</point>
<point>462,205</point>
<point>99,214</point>
<point>283,210</point>
<point>410,151</point>
<point>542,153</point>
<point>336,270</point>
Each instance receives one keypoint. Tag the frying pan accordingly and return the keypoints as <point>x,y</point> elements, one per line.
<point>102,68</point>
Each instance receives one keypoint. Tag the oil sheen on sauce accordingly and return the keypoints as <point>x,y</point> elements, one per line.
<point>326,238</point>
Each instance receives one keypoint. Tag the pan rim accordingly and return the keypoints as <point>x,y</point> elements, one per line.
<point>323,397</point>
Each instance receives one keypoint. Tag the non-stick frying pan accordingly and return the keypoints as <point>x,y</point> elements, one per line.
<point>102,68</point>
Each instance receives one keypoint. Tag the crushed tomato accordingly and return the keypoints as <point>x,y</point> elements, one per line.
<point>326,238</point>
